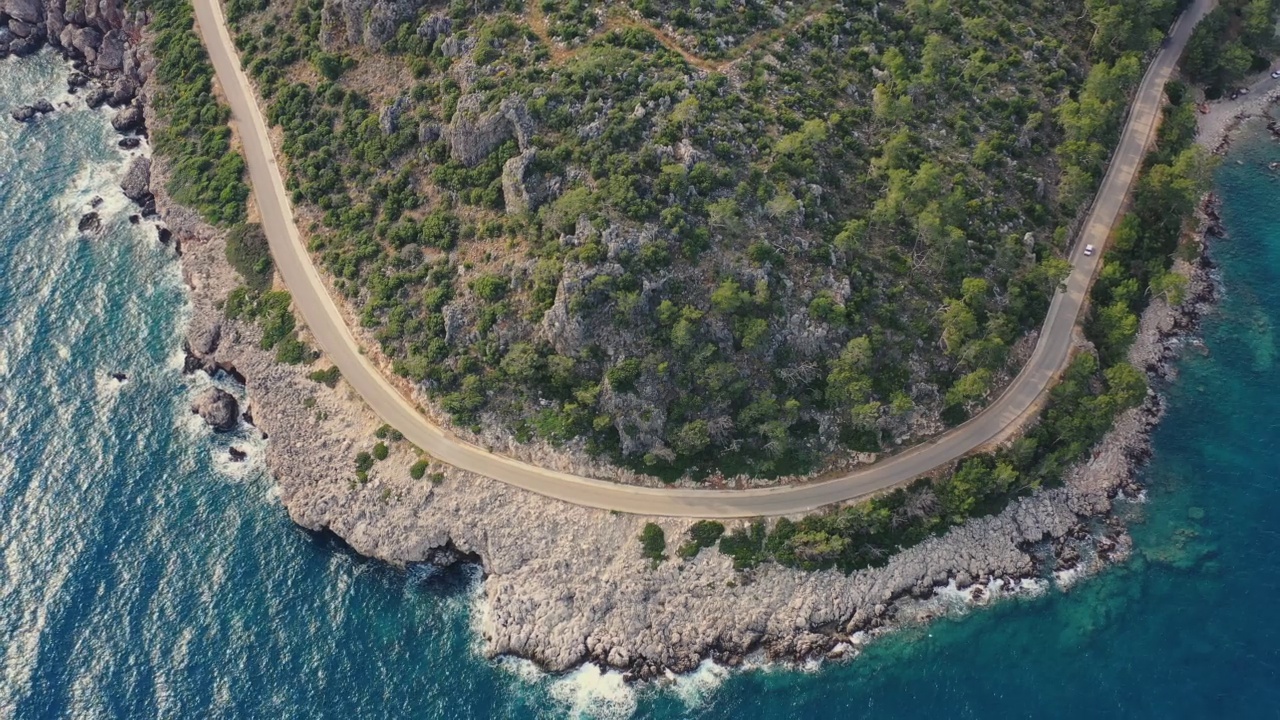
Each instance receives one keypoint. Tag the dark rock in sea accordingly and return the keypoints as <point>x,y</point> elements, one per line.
<point>90,223</point>
<point>238,455</point>
<point>164,234</point>
<point>128,120</point>
<point>97,97</point>
<point>247,415</point>
<point>21,47</point>
<point>119,377</point>
<point>137,180</point>
<point>27,113</point>
<point>135,219</point>
<point>218,409</point>
<point>231,372</point>
<point>96,202</point>
<point>77,80</point>
<point>129,143</point>
<point>149,208</point>
<point>191,363</point>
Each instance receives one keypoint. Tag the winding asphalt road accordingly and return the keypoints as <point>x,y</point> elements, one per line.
<point>332,335</point>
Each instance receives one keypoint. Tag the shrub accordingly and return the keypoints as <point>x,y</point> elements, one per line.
<point>419,469</point>
<point>328,377</point>
<point>248,253</point>
<point>653,542</point>
<point>380,451</point>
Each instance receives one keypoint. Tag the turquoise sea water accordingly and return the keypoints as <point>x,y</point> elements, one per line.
<point>144,576</point>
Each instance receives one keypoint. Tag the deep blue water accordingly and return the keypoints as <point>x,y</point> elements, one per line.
<point>144,576</point>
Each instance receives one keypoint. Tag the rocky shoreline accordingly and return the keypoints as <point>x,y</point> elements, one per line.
<point>565,585</point>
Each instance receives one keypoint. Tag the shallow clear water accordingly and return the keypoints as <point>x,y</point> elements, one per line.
<point>145,576</point>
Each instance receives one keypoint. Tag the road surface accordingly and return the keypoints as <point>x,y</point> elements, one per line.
<point>333,336</point>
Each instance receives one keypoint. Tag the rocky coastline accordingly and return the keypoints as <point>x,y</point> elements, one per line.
<point>565,585</point>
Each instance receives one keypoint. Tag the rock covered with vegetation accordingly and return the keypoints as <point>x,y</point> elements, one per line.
<point>648,597</point>
<point>698,239</point>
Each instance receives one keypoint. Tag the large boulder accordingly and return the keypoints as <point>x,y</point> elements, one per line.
<point>27,11</point>
<point>137,180</point>
<point>128,119</point>
<point>218,409</point>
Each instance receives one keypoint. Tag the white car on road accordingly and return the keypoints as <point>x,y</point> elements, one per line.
<point>1088,249</point>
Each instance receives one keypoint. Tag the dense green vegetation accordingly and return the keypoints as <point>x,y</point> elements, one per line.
<point>206,174</point>
<point>737,270</point>
<point>248,253</point>
<point>653,542</point>
<point>702,534</point>
<point>271,310</point>
<point>1093,390</point>
<point>1237,38</point>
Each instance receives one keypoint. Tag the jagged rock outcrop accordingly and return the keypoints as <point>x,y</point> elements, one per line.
<point>218,408</point>
<point>473,133</point>
<point>27,113</point>
<point>370,23</point>
<point>435,27</point>
<point>520,192</point>
<point>389,118</point>
<point>137,180</point>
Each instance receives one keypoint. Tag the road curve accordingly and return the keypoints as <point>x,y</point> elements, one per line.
<point>334,337</point>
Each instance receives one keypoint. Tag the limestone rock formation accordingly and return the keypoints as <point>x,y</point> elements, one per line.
<point>370,23</point>
<point>218,409</point>
<point>473,133</point>
<point>519,191</point>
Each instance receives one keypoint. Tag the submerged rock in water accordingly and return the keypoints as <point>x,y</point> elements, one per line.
<point>238,455</point>
<point>129,143</point>
<point>90,223</point>
<point>27,113</point>
<point>218,409</point>
<point>119,377</point>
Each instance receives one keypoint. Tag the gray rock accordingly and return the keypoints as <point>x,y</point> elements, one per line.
<point>28,11</point>
<point>21,47</point>
<point>97,97</point>
<point>85,40</point>
<point>128,119</point>
<point>370,23</point>
<point>218,409</point>
<point>22,29</point>
<point>137,180</point>
<point>428,132</point>
<point>520,193</point>
<point>473,134</point>
<point>27,113</point>
<point>89,223</point>
<point>435,27</point>
<point>203,342</point>
<point>111,53</point>
<point>389,118</point>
